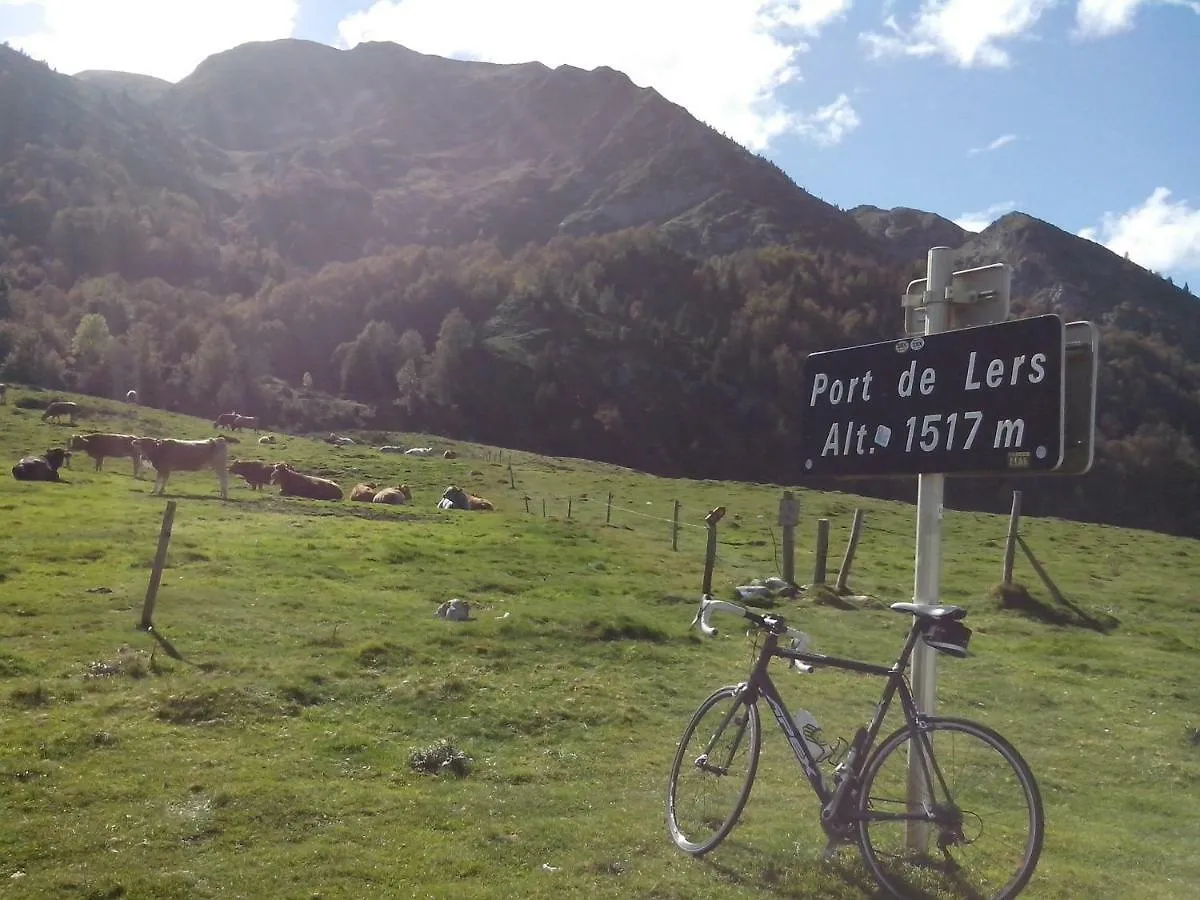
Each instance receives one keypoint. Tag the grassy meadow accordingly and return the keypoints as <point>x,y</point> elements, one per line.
<point>275,759</point>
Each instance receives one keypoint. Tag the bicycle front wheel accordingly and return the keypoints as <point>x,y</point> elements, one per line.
<point>967,820</point>
<point>713,771</point>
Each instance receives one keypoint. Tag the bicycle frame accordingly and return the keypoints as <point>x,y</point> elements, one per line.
<point>761,685</point>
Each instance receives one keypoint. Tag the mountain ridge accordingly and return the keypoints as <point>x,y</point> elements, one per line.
<point>549,258</point>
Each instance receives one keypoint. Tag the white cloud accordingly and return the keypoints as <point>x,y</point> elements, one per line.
<point>1103,18</point>
<point>830,124</point>
<point>967,33</point>
<point>994,145</point>
<point>164,38</point>
<point>977,221</point>
<point>724,61</point>
<point>1159,234</point>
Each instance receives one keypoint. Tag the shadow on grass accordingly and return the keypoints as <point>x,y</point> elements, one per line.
<point>742,865</point>
<point>1016,597</point>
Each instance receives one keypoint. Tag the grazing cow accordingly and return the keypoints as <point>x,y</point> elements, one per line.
<point>397,496</point>
<point>255,473</point>
<point>59,408</point>
<point>418,451</point>
<point>98,446</point>
<point>241,422</point>
<point>226,420</point>
<point>267,439</point>
<point>131,397</point>
<point>457,498</point>
<point>168,455</point>
<point>41,468</point>
<point>364,493</point>
<point>391,448</point>
<point>294,484</point>
<point>449,454</point>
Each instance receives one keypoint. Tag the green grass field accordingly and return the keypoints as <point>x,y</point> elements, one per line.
<point>275,759</point>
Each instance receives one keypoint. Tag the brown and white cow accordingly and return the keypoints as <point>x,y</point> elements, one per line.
<point>41,468</point>
<point>226,420</point>
<point>449,454</point>
<point>295,484</point>
<point>131,397</point>
<point>168,455</point>
<point>456,498</point>
<point>256,474</point>
<point>59,408</point>
<point>363,493</point>
<point>397,496</point>
<point>98,446</point>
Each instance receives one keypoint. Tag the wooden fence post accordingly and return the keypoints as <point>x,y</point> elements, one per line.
<point>543,507</point>
<point>512,481</point>
<point>710,552</point>
<point>608,510</point>
<point>526,503</point>
<point>675,527</point>
<point>1010,547</point>
<point>160,560</point>
<point>822,551</point>
<point>848,559</point>
<point>789,518</point>
<point>568,507</point>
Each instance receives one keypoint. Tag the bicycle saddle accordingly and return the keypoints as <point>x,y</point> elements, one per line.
<point>953,613</point>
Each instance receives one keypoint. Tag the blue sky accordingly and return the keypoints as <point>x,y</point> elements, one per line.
<point>1085,113</point>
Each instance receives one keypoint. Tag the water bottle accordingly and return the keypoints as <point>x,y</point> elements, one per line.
<point>811,732</point>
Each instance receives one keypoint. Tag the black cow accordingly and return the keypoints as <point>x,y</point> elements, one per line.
<point>41,468</point>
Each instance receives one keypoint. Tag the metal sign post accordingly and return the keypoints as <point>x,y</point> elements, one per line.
<point>927,574</point>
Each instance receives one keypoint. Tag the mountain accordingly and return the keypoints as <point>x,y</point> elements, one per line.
<point>144,89</point>
<point>908,233</point>
<point>554,259</point>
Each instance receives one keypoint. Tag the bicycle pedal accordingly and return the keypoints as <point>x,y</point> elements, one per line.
<point>835,843</point>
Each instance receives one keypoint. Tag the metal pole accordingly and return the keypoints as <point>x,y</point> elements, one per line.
<point>928,563</point>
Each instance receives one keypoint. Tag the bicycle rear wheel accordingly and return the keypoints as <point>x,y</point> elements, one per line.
<point>974,827</point>
<point>713,771</point>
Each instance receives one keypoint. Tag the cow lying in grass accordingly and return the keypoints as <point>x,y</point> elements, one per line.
<point>457,498</point>
<point>363,493</point>
<point>397,496</point>
<point>98,446</point>
<point>41,468</point>
<point>168,455</point>
<point>294,484</point>
<point>254,473</point>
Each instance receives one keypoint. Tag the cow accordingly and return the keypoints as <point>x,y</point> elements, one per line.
<point>363,493</point>
<point>456,498</point>
<point>59,408</point>
<point>397,496</point>
<point>418,451</point>
<point>391,448</point>
<point>255,473</point>
<point>339,440</point>
<point>294,484</point>
<point>241,422</point>
<point>267,439</point>
<point>41,468</point>
<point>168,455</point>
<point>449,454</point>
<point>98,446</point>
<point>131,397</point>
<point>225,420</point>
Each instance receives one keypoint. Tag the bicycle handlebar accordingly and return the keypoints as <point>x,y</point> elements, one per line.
<point>774,624</point>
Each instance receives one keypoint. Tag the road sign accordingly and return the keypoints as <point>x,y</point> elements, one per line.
<point>984,400</point>
<point>1079,397</point>
<point>978,296</point>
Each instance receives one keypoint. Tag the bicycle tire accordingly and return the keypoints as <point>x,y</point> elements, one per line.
<point>911,873</point>
<point>747,737</point>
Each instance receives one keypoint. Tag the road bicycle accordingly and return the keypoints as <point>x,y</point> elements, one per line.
<point>940,807</point>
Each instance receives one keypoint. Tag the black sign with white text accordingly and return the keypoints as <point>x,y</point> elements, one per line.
<point>984,400</point>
